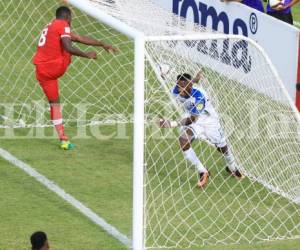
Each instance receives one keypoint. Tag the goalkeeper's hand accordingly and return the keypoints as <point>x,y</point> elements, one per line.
<point>162,123</point>
<point>198,76</point>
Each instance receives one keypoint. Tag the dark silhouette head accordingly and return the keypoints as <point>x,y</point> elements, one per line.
<point>64,13</point>
<point>39,241</point>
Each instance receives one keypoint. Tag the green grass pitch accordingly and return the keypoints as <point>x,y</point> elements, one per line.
<point>98,172</point>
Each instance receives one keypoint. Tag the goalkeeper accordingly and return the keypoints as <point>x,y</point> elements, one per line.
<point>52,58</point>
<point>202,123</point>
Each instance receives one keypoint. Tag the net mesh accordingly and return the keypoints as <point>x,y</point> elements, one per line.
<point>261,128</point>
<point>262,132</point>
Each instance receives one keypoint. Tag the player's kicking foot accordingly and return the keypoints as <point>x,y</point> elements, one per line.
<point>237,174</point>
<point>65,144</point>
<point>203,179</point>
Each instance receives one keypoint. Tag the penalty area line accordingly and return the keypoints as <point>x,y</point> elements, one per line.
<point>65,196</point>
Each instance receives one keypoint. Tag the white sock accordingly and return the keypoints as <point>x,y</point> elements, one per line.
<point>192,157</point>
<point>230,161</point>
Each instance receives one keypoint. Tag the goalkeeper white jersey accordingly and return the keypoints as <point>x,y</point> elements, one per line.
<point>197,104</point>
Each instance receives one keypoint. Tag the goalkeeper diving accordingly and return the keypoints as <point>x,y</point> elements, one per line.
<point>202,123</point>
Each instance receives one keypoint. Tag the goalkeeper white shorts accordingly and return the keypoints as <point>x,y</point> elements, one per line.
<point>208,128</point>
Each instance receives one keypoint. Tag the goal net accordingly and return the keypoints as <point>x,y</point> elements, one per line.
<point>259,121</point>
<point>261,129</point>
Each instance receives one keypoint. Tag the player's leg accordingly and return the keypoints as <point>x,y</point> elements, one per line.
<point>231,167</point>
<point>185,141</point>
<point>215,135</point>
<point>50,89</point>
<point>49,84</point>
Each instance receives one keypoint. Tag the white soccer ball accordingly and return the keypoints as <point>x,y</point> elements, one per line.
<point>22,123</point>
<point>275,3</point>
<point>164,69</point>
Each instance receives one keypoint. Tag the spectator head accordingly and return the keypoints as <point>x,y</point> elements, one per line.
<point>39,241</point>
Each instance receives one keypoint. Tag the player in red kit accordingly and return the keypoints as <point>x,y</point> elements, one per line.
<point>52,58</point>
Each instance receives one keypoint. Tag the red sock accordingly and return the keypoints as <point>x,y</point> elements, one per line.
<point>56,117</point>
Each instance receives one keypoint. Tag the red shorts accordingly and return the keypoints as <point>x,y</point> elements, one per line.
<point>47,74</point>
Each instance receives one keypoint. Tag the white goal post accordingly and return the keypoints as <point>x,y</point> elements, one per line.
<point>138,147</point>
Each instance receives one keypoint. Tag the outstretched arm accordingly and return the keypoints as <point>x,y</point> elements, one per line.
<point>198,77</point>
<point>172,124</point>
<point>292,3</point>
<point>188,120</point>
<point>93,42</point>
<point>67,44</point>
<point>283,7</point>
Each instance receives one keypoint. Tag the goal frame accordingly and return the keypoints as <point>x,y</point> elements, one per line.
<point>139,39</point>
<point>138,124</point>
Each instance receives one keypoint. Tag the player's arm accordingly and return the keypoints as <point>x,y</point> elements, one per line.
<point>283,7</point>
<point>188,120</point>
<point>292,3</point>
<point>198,77</point>
<point>67,44</point>
<point>92,42</point>
<point>172,124</point>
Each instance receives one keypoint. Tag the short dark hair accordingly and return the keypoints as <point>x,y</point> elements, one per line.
<point>38,240</point>
<point>62,11</point>
<point>184,77</point>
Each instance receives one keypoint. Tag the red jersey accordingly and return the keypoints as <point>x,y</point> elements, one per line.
<point>50,48</point>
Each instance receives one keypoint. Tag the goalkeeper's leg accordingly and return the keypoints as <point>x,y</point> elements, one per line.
<point>185,143</point>
<point>231,167</point>
<point>215,135</point>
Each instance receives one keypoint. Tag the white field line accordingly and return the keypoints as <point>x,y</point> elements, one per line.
<point>67,197</point>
